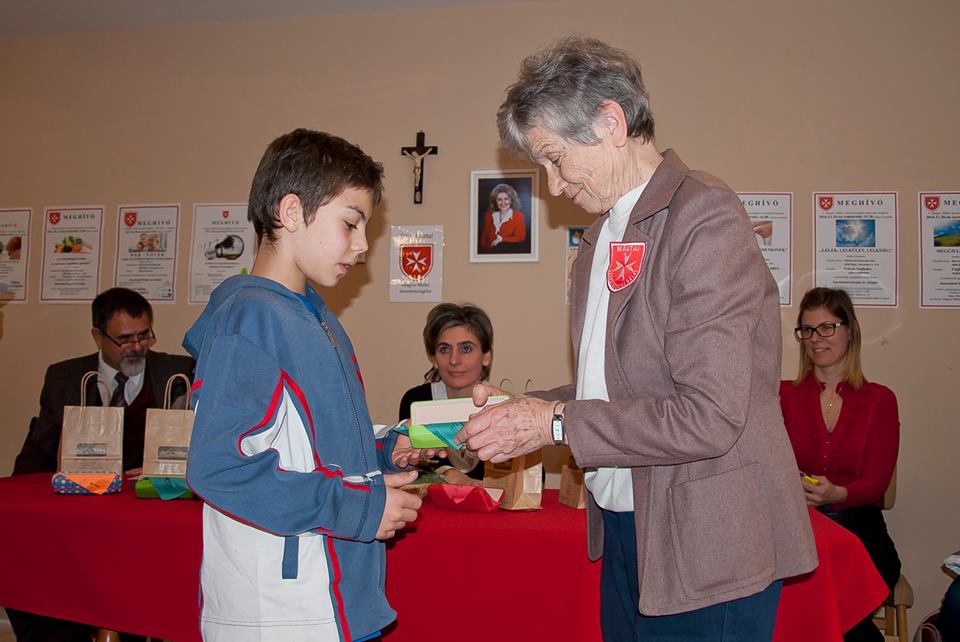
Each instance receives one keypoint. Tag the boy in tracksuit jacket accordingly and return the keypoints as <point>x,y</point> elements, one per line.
<point>297,492</point>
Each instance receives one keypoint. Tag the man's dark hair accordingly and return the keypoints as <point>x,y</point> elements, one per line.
<point>316,167</point>
<point>114,300</point>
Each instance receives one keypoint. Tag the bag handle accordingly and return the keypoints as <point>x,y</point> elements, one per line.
<point>169,389</point>
<point>100,382</point>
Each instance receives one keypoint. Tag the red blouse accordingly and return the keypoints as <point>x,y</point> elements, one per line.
<point>861,452</point>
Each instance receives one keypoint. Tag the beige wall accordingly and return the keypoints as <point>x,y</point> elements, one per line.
<point>823,95</point>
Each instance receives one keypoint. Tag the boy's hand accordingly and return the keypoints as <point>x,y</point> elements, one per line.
<point>401,507</point>
<point>406,455</point>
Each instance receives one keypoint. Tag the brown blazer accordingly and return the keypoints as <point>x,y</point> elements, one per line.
<point>692,369</point>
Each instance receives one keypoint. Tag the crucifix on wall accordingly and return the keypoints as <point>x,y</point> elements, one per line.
<point>417,153</point>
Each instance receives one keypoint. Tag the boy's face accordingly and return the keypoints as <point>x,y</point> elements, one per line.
<point>330,245</point>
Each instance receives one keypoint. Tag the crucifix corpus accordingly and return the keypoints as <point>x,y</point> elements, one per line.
<point>417,153</point>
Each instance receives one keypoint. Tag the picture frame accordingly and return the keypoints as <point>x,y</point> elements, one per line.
<point>515,238</point>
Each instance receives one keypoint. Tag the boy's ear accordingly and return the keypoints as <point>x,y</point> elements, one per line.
<point>290,212</point>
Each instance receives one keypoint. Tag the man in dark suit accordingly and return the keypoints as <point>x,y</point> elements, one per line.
<point>133,376</point>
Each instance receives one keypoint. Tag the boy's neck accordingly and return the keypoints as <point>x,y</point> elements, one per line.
<point>276,266</point>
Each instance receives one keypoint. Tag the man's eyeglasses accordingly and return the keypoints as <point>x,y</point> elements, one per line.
<point>128,340</point>
<point>824,330</point>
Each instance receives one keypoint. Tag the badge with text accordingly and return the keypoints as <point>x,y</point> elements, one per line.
<point>626,263</point>
<point>416,261</point>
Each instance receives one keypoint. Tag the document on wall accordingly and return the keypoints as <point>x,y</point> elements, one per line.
<point>147,250</point>
<point>771,214</point>
<point>416,263</point>
<point>223,244</point>
<point>940,249</point>
<point>14,253</point>
<point>855,245</point>
<point>72,240</point>
<point>571,241</point>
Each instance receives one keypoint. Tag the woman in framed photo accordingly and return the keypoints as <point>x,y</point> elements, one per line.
<point>504,228</point>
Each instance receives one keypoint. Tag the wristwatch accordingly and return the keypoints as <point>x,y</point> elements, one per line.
<point>556,424</point>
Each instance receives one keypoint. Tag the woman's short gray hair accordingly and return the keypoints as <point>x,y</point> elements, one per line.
<point>562,87</point>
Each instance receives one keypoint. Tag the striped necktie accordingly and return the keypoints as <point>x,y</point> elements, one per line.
<point>118,398</point>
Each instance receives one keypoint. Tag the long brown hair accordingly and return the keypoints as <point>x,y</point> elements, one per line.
<point>838,303</point>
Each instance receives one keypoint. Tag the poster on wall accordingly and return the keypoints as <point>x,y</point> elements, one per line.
<point>571,242</point>
<point>147,250</point>
<point>223,244</point>
<point>72,240</point>
<point>771,214</point>
<point>14,253</point>
<point>939,249</point>
<point>416,263</point>
<point>855,245</point>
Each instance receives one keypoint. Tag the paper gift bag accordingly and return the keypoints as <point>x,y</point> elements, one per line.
<point>166,436</point>
<point>92,436</point>
<point>572,492</point>
<point>521,480</point>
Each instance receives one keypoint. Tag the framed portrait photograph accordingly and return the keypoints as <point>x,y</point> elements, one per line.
<point>504,216</point>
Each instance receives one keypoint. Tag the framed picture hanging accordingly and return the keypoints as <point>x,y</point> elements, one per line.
<point>504,216</point>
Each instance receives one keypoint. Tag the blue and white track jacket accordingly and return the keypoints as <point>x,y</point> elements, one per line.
<point>284,456</point>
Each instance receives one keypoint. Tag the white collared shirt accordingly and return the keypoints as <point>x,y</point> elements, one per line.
<point>108,374</point>
<point>499,218</point>
<point>612,488</point>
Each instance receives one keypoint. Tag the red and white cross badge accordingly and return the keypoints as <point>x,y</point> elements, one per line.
<point>932,202</point>
<point>130,218</point>
<point>416,261</point>
<point>626,263</point>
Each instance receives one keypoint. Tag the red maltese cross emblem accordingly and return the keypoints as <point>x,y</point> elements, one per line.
<point>826,202</point>
<point>932,203</point>
<point>626,263</point>
<point>130,218</point>
<point>416,261</point>
<point>54,218</point>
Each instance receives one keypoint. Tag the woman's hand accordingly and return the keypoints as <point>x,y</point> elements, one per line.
<point>824,492</point>
<point>406,455</point>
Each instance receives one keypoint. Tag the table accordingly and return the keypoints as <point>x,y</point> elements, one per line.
<point>133,565</point>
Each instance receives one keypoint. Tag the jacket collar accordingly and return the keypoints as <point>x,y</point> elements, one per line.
<point>656,196</point>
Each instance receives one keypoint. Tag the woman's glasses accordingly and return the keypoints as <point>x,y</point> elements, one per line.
<point>824,330</point>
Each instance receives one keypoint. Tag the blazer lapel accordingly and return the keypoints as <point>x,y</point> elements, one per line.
<point>655,198</point>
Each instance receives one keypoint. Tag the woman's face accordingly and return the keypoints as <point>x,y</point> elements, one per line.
<point>825,352</point>
<point>460,360</point>
<point>503,201</point>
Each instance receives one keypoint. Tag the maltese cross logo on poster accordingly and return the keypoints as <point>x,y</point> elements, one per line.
<point>416,261</point>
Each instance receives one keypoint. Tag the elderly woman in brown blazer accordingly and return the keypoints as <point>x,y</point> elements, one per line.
<point>675,319</point>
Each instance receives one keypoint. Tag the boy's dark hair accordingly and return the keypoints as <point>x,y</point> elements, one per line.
<point>315,166</point>
<point>109,302</point>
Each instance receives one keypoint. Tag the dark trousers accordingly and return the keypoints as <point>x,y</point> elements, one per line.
<point>748,619</point>
<point>950,613</point>
<point>866,522</point>
<point>30,627</point>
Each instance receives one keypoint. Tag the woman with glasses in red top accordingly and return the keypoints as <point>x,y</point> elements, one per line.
<point>845,431</point>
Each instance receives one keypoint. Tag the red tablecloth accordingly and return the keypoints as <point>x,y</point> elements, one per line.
<point>129,564</point>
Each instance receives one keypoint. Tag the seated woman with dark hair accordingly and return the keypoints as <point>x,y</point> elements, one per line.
<point>459,344</point>
<point>844,430</point>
